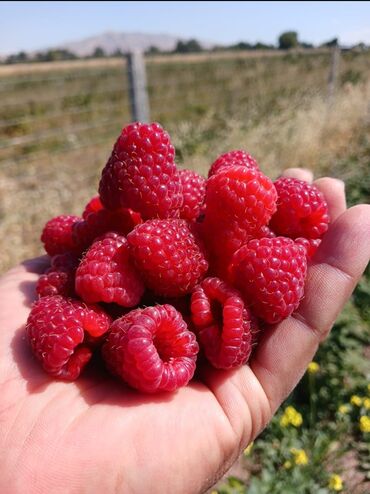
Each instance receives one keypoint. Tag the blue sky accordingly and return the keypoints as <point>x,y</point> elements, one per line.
<point>36,25</point>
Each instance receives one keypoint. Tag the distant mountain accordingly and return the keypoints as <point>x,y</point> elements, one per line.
<point>110,42</point>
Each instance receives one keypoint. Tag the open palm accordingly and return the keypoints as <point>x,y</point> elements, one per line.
<point>96,435</point>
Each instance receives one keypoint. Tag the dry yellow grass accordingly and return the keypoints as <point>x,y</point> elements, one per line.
<point>27,68</point>
<point>311,135</point>
<point>308,136</point>
<point>276,109</point>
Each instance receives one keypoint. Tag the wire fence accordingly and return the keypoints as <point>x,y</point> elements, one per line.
<point>58,122</point>
<point>66,105</point>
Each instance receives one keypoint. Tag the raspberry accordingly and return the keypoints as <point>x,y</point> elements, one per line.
<point>302,210</point>
<point>222,323</point>
<point>193,189</point>
<point>168,255</point>
<point>222,239</point>
<point>92,206</point>
<point>270,273</point>
<point>265,232</point>
<point>239,204</point>
<point>67,260</point>
<point>310,245</point>
<point>97,223</point>
<point>106,274</point>
<point>151,349</point>
<point>59,279</point>
<point>233,158</point>
<point>240,194</point>
<point>141,173</point>
<point>57,234</point>
<point>61,332</point>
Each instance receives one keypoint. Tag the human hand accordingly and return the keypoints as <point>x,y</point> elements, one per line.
<point>96,435</point>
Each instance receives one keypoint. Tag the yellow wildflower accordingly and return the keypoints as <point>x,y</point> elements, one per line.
<point>335,482</point>
<point>214,492</point>
<point>248,449</point>
<point>356,400</point>
<point>343,409</point>
<point>365,423</point>
<point>287,465</point>
<point>300,456</point>
<point>313,368</point>
<point>291,416</point>
<point>284,421</point>
<point>297,420</point>
<point>367,403</point>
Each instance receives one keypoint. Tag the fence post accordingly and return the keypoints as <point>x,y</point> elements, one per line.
<point>139,99</point>
<point>333,73</point>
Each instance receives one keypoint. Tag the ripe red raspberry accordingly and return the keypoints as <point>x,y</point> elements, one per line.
<point>168,256</point>
<point>141,173</point>
<point>233,158</point>
<point>106,273</point>
<point>57,235</point>
<point>223,323</point>
<point>270,273</point>
<point>265,232</point>
<point>97,223</point>
<point>92,206</point>
<point>302,210</point>
<point>310,245</point>
<point>62,332</point>
<point>193,189</point>
<point>151,349</point>
<point>222,239</point>
<point>59,279</point>
<point>240,194</point>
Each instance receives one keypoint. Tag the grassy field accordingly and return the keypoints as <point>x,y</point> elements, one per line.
<point>57,127</point>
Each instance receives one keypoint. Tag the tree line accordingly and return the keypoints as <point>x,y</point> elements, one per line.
<point>286,41</point>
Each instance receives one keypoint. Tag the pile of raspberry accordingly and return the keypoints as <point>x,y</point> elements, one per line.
<point>167,270</point>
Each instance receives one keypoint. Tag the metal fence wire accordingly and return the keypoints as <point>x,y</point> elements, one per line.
<point>56,110</point>
<point>58,120</point>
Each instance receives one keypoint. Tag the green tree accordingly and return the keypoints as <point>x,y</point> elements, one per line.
<point>331,43</point>
<point>98,52</point>
<point>191,46</point>
<point>17,58</point>
<point>287,40</point>
<point>153,50</point>
<point>263,46</point>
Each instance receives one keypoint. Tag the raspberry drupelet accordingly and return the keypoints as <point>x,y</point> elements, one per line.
<point>311,245</point>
